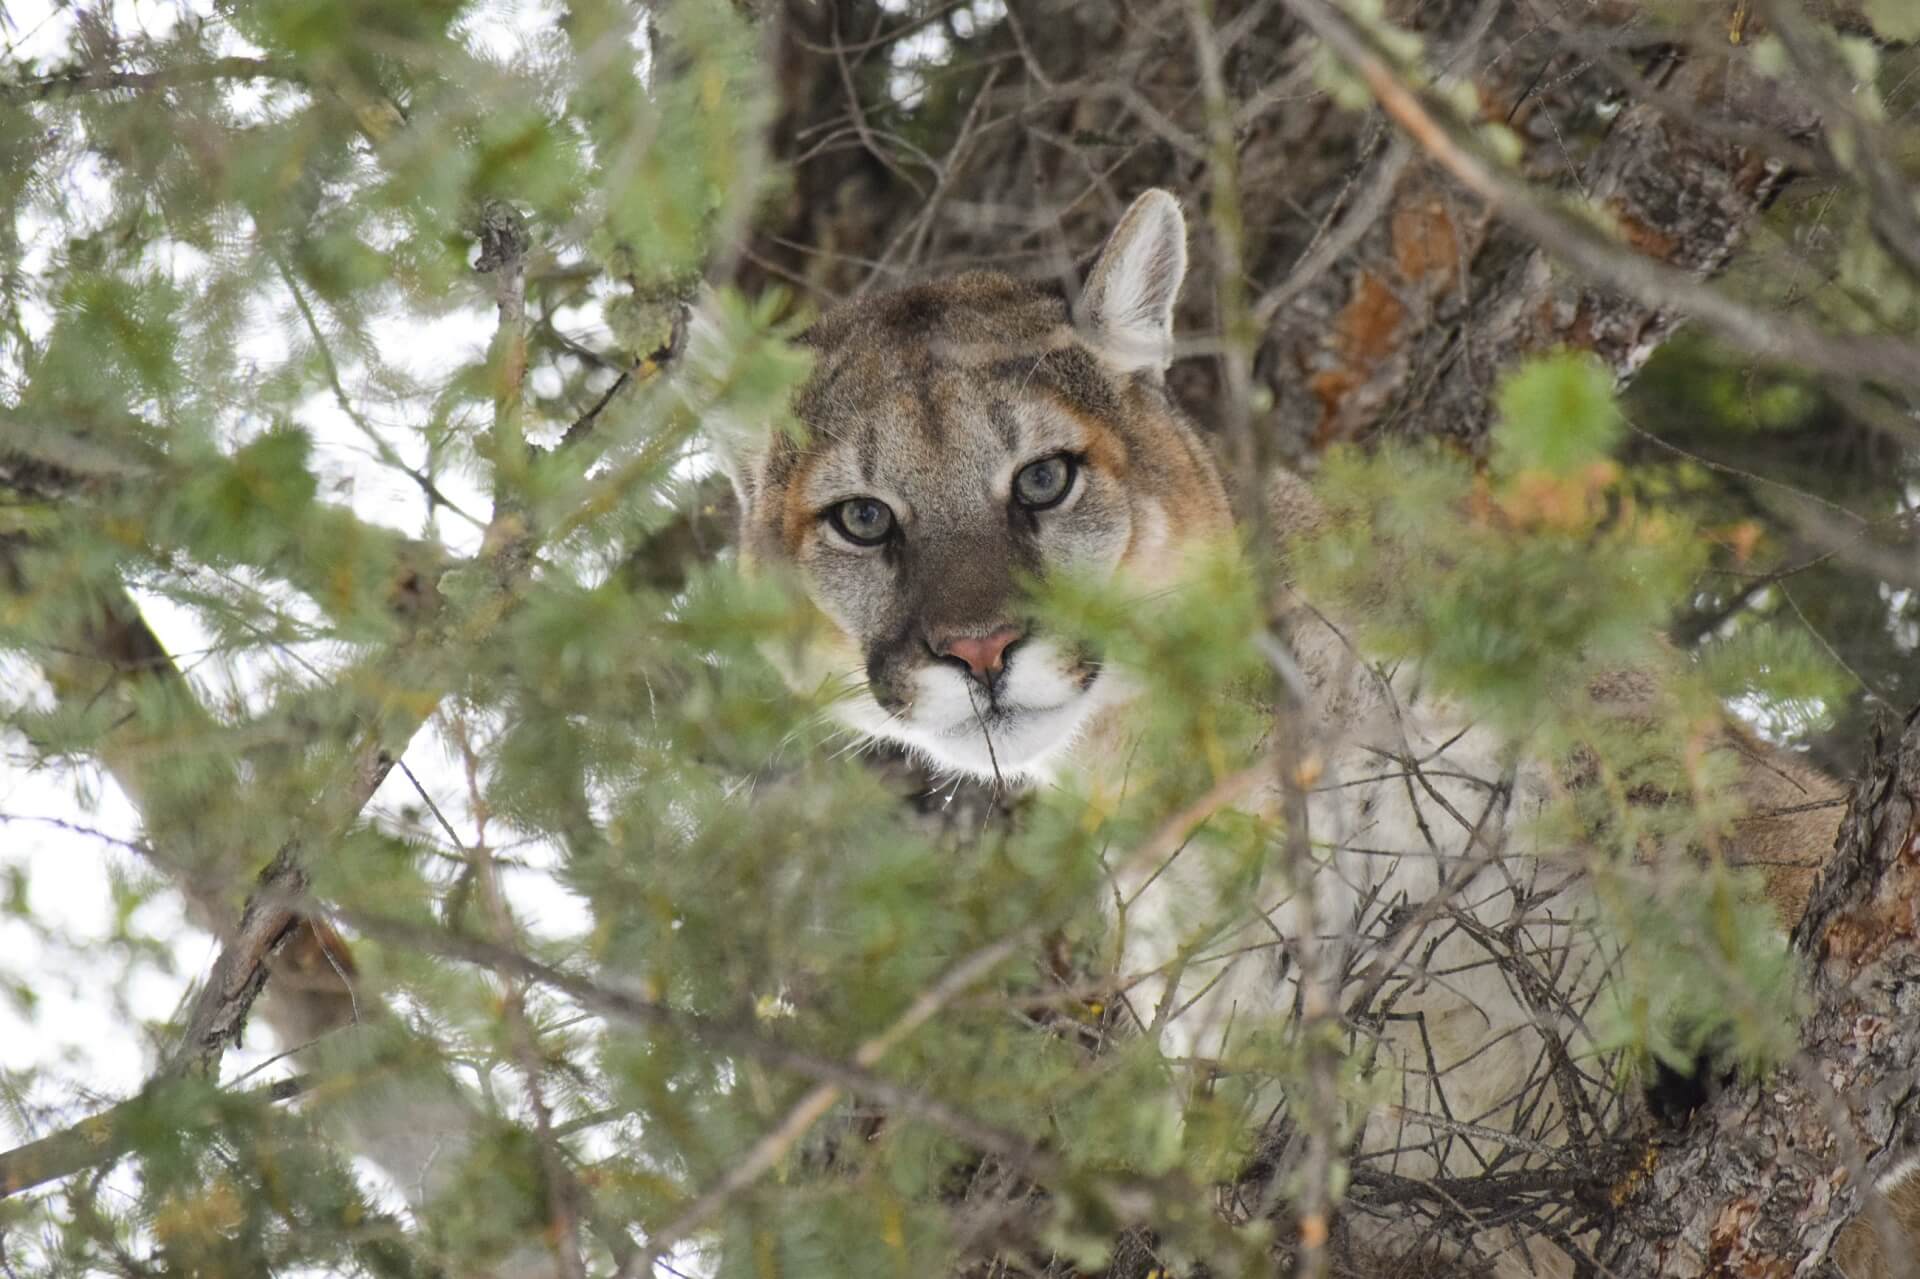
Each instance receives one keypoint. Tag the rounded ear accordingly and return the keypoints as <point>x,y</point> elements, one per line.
<point>1126,311</point>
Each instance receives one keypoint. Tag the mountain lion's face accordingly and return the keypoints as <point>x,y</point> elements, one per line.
<point>965,436</point>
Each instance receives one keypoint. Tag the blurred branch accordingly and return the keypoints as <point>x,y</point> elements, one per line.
<point>101,79</point>
<point>1237,323</point>
<point>1651,90</point>
<point>59,464</point>
<point>1855,141</point>
<point>1319,1111</point>
<point>114,1133</point>
<point>1897,565</point>
<point>854,1078</point>
<point>504,242</point>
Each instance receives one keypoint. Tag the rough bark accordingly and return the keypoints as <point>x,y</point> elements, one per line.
<point>1766,1179</point>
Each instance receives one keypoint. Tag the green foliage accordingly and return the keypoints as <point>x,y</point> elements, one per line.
<point>1513,589</point>
<point>1894,19</point>
<point>1769,575</point>
<point>1557,415</point>
<point>1702,971</point>
<point>1779,676</point>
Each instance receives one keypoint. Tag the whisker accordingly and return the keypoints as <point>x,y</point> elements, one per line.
<point>999,782</point>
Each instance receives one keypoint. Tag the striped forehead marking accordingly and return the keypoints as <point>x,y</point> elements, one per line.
<point>1000,415</point>
<point>869,451</point>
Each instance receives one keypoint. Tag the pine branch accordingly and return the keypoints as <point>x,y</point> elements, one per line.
<point>853,1077</point>
<point>112,1134</point>
<point>86,79</point>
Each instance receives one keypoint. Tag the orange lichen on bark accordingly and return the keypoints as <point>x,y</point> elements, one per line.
<point>1425,242</point>
<point>1369,323</point>
<point>1727,1251</point>
<point>1330,387</point>
<point>1366,329</point>
<point>1642,235</point>
<point>1856,936</point>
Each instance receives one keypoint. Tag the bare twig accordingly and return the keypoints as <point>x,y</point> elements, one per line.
<point>645,370</point>
<point>1365,211</point>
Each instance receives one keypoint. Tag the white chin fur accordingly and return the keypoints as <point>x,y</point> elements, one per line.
<point>1040,712</point>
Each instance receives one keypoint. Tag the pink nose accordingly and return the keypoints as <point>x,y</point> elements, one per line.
<point>984,655</point>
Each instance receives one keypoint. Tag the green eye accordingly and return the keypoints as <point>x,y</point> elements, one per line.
<point>1044,483</point>
<point>864,521</point>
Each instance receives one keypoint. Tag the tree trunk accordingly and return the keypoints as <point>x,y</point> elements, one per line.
<point>1771,1175</point>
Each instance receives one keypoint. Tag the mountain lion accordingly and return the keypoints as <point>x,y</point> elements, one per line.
<point>969,433</point>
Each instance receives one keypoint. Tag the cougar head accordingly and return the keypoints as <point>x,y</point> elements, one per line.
<point>961,437</point>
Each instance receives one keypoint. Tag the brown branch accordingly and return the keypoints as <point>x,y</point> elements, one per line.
<point>239,973</point>
<point>270,919</point>
<point>504,242</point>
<point>112,1134</point>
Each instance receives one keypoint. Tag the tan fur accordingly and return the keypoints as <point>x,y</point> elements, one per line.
<point>1793,813</point>
<point>1859,1251</point>
<point>929,398</point>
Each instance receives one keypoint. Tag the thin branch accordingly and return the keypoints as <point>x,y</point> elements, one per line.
<point>773,1146</point>
<point>99,79</point>
<point>563,1189</point>
<point>504,242</point>
<point>112,1134</point>
<point>1325,250</point>
<point>649,366</point>
<point>383,449</point>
